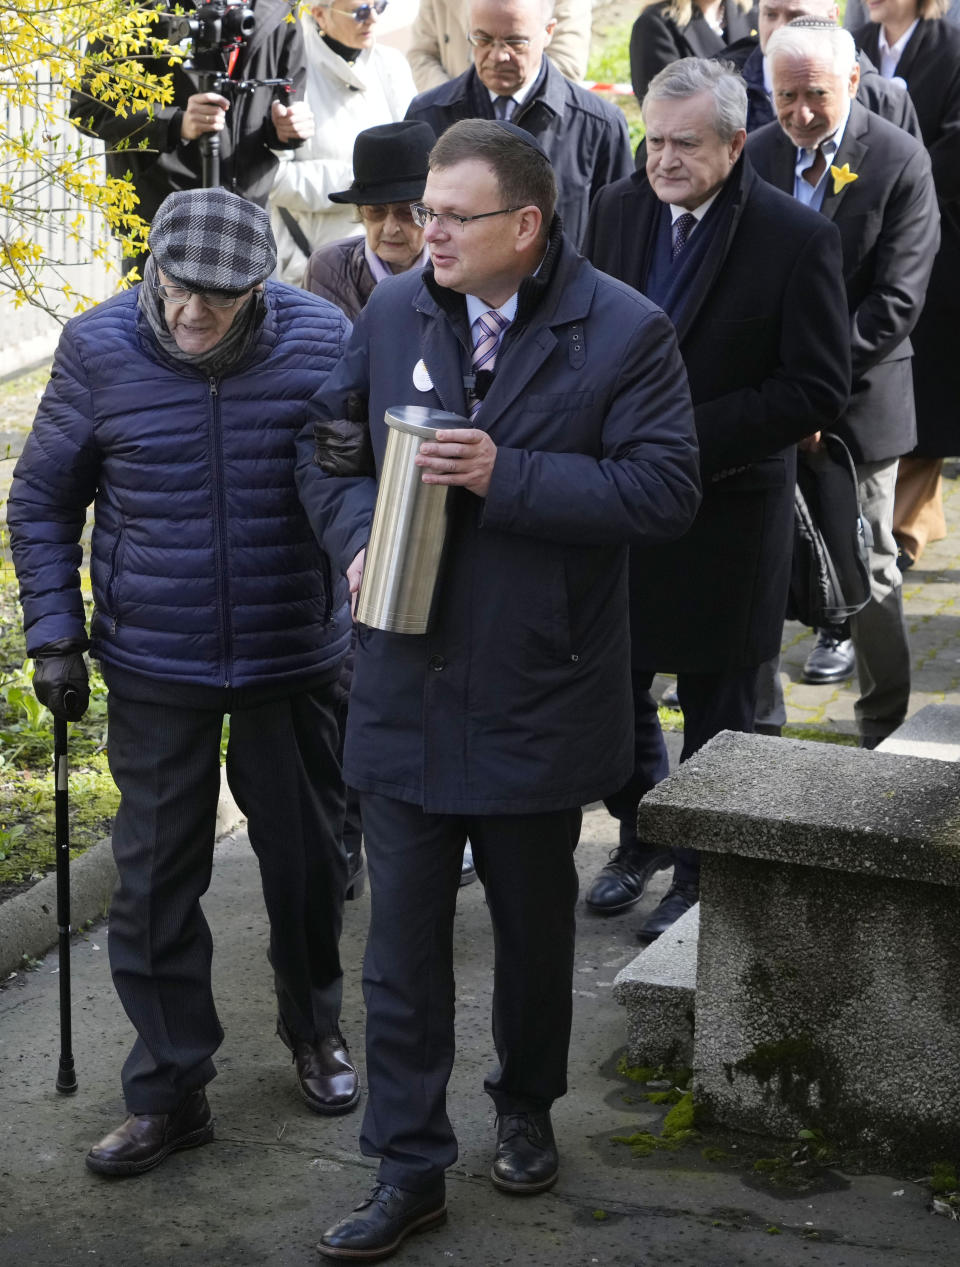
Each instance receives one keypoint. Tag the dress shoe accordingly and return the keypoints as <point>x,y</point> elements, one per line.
<point>767,728</point>
<point>468,872</point>
<point>676,901</point>
<point>620,883</point>
<point>670,698</point>
<point>327,1078</point>
<point>831,660</point>
<point>526,1161</point>
<point>871,741</point>
<point>145,1139</point>
<point>380,1223</point>
<point>905,560</point>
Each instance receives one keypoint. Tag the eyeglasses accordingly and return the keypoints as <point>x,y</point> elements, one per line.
<point>515,44</point>
<point>209,298</point>
<point>377,212</point>
<point>449,219</point>
<point>363,12</point>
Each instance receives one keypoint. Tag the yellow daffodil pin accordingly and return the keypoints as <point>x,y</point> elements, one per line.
<point>842,176</point>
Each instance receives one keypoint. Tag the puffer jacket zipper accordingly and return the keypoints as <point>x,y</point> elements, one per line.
<point>219,533</point>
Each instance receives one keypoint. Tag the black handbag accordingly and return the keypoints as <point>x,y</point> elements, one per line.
<point>830,579</point>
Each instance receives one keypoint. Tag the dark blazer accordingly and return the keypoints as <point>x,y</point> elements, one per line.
<point>930,65</point>
<point>656,40</point>
<point>767,350</point>
<point>585,138</point>
<point>889,227</point>
<point>882,96</point>
<point>518,700</point>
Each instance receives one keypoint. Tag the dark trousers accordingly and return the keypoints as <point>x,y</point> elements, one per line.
<point>283,771</point>
<point>711,702</point>
<point>525,863</point>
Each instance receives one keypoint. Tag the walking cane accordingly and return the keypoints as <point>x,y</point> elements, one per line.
<point>66,1078</point>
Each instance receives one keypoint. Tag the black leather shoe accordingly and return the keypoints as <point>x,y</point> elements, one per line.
<point>831,660</point>
<point>326,1076</point>
<point>526,1161</point>
<point>379,1224</point>
<point>468,872</point>
<point>620,884</point>
<point>670,698</point>
<point>871,741</point>
<point>145,1139</point>
<point>676,901</point>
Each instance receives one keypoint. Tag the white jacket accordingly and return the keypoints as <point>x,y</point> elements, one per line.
<point>345,97</point>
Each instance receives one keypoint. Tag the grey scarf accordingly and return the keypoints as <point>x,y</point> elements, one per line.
<point>223,356</point>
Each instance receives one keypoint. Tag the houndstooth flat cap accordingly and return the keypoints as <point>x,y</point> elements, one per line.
<point>209,239</point>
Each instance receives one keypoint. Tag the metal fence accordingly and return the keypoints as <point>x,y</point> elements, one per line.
<point>28,334</point>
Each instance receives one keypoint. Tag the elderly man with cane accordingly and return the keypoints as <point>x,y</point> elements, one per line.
<point>173,407</point>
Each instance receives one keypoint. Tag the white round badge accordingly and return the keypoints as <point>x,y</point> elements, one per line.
<point>421,378</point>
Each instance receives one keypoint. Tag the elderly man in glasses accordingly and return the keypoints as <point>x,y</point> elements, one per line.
<point>173,407</point>
<point>514,710</point>
<point>512,78</point>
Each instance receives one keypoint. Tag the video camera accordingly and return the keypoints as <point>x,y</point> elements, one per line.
<point>217,26</point>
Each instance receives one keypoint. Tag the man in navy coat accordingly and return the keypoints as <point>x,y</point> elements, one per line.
<point>512,78</point>
<point>753,282</point>
<point>514,710</point>
<point>875,183</point>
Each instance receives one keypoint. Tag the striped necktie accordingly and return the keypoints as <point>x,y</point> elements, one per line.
<point>487,329</point>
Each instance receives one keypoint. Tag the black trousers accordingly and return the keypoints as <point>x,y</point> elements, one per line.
<point>283,770</point>
<point>711,702</point>
<point>525,863</point>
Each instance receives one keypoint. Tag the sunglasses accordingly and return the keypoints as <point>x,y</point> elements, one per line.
<point>363,12</point>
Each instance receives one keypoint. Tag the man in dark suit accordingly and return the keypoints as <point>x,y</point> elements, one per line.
<point>888,99</point>
<point>752,282</point>
<point>513,710</point>
<point>875,183</point>
<point>511,78</point>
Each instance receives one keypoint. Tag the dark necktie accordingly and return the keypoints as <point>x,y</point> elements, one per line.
<point>681,231</point>
<point>504,107</point>
<point>816,169</point>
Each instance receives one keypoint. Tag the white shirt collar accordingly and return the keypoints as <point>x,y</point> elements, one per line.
<point>829,145</point>
<point>523,92</point>
<point>890,54</point>
<point>698,212</point>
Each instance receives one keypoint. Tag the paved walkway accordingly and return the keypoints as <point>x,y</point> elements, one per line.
<point>276,1175</point>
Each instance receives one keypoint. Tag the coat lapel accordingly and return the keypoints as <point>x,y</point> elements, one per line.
<point>913,53</point>
<point>715,258</point>
<point>851,151</point>
<point>442,354</point>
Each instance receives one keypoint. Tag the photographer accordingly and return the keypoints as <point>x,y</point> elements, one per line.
<point>250,124</point>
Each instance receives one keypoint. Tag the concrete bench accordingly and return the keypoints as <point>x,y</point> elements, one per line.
<point>658,990</point>
<point>828,976</point>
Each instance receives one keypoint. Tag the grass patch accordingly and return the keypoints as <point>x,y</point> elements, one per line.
<point>610,64</point>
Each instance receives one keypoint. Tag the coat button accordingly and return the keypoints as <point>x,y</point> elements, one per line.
<point>437,663</point>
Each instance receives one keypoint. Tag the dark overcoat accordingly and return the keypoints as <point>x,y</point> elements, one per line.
<point>889,228</point>
<point>518,700</point>
<point>765,339</point>
<point>930,65</point>
<point>656,39</point>
<point>584,137</point>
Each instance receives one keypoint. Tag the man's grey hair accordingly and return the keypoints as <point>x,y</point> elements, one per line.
<point>691,76</point>
<point>807,37</point>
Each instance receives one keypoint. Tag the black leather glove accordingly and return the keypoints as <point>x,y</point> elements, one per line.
<point>60,679</point>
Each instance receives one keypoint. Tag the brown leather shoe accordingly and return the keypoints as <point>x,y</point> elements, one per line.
<point>326,1076</point>
<point>145,1139</point>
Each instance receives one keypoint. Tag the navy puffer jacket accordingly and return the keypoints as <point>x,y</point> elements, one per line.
<point>204,568</point>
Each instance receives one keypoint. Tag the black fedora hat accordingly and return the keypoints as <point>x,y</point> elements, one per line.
<point>389,163</point>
